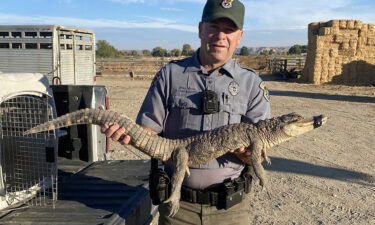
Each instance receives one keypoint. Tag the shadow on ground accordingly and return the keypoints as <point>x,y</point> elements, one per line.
<point>345,98</point>
<point>297,94</point>
<point>299,167</point>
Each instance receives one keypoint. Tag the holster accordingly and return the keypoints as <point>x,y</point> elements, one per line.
<point>158,184</point>
<point>246,175</point>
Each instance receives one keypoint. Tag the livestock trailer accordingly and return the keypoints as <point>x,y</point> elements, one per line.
<point>66,55</point>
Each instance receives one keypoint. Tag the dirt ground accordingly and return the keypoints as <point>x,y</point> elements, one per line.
<point>326,176</point>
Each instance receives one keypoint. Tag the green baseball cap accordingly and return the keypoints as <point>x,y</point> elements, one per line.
<point>231,9</point>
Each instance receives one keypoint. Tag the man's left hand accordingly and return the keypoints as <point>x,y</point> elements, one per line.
<point>243,154</point>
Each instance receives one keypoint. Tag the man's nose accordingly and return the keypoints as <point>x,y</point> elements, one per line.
<point>221,34</point>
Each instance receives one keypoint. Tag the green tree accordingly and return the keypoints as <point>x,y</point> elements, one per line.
<point>159,52</point>
<point>295,49</point>
<point>244,51</point>
<point>105,50</point>
<point>122,53</point>
<point>176,52</point>
<point>271,51</point>
<point>187,50</point>
<point>264,52</point>
<point>133,53</point>
<point>146,52</point>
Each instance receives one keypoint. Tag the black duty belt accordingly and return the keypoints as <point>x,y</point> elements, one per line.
<point>223,196</point>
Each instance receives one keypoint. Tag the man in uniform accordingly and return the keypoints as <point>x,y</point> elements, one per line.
<point>197,94</point>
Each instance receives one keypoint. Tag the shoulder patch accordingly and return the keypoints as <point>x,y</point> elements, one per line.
<point>266,93</point>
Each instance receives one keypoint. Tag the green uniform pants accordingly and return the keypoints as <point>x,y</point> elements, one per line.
<point>198,214</point>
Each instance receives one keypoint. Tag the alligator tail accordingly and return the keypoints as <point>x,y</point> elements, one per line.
<point>152,145</point>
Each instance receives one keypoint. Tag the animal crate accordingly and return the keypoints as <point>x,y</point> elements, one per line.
<point>28,165</point>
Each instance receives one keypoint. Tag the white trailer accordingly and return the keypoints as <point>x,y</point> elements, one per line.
<point>66,55</point>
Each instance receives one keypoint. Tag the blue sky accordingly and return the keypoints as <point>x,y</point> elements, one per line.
<point>145,24</point>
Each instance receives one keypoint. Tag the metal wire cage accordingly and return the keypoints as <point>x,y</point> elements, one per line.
<point>28,163</point>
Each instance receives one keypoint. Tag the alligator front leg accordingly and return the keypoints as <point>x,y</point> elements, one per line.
<point>180,163</point>
<point>256,158</point>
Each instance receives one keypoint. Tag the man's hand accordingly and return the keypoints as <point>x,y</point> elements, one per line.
<point>116,133</point>
<point>243,154</point>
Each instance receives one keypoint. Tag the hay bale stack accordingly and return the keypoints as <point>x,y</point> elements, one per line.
<point>340,51</point>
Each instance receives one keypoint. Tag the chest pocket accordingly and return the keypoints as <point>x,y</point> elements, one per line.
<point>232,108</point>
<point>185,113</point>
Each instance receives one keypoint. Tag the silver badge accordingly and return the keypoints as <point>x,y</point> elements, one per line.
<point>233,88</point>
<point>227,3</point>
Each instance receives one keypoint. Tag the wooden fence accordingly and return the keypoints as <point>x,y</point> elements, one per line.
<point>128,67</point>
<point>277,65</point>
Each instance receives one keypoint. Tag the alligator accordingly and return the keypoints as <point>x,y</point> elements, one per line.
<point>198,149</point>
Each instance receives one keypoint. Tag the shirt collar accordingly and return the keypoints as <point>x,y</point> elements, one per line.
<point>195,66</point>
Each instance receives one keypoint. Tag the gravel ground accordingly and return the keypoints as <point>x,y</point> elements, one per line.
<point>324,177</point>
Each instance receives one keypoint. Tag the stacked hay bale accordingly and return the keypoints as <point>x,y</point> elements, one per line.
<point>340,51</point>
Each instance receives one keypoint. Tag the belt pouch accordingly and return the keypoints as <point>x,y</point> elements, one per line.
<point>230,196</point>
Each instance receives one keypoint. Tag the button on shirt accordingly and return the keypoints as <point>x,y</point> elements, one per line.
<point>173,108</point>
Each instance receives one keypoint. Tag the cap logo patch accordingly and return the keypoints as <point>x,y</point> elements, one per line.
<point>227,3</point>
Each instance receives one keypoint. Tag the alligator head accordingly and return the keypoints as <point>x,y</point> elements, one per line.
<point>295,125</point>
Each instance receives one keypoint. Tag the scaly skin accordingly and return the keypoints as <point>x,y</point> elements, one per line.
<point>196,149</point>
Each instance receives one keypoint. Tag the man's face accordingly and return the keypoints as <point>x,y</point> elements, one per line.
<point>219,39</point>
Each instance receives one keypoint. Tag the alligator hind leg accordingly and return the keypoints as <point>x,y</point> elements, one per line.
<point>180,165</point>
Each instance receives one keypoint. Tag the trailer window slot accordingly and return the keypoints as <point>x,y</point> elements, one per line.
<point>4,34</point>
<point>79,47</point>
<point>16,45</point>
<point>16,34</point>
<point>4,45</point>
<point>45,46</point>
<point>31,34</point>
<point>31,46</point>
<point>45,34</point>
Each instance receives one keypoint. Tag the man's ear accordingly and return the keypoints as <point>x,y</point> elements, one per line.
<point>239,39</point>
<point>200,27</point>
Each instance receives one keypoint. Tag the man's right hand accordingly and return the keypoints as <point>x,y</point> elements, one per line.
<point>116,133</point>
